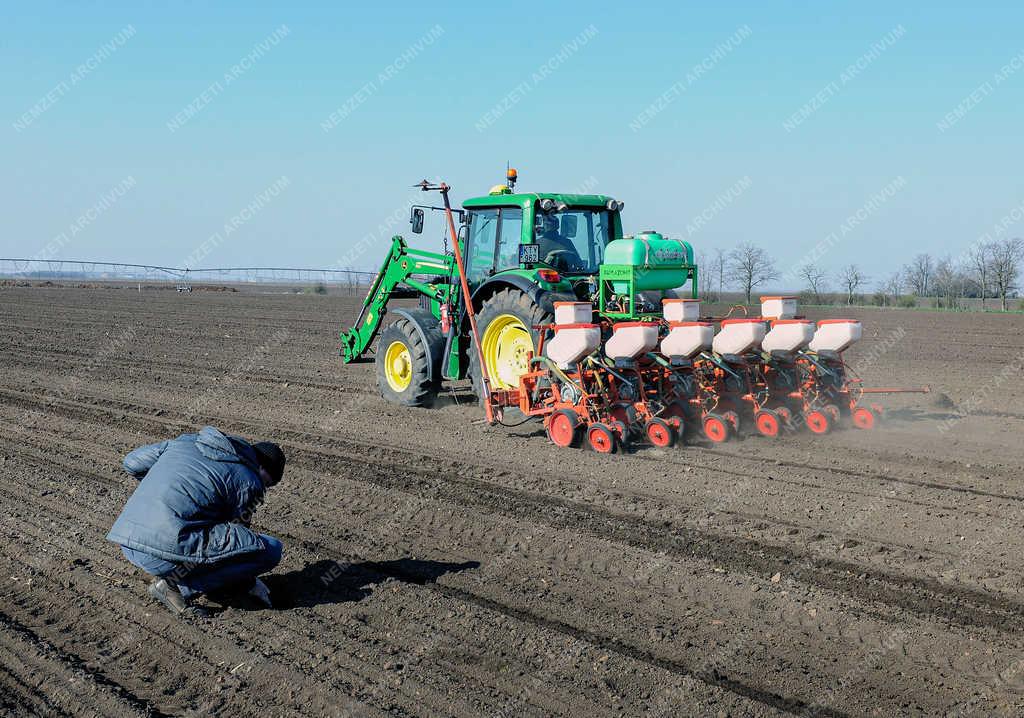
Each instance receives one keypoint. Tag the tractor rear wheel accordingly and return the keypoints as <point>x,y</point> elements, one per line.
<point>404,366</point>
<point>507,337</point>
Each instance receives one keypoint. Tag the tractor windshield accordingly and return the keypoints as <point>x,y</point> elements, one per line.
<point>572,241</point>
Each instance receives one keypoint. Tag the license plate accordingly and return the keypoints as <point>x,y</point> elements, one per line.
<point>529,253</point>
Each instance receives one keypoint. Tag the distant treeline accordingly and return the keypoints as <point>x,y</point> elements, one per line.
<point>986,276</point>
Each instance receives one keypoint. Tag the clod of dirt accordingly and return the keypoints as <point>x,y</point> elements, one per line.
<point>941,401</point>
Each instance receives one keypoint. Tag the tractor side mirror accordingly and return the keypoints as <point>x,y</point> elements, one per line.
<point>416,220</point>
<point>568,228</point>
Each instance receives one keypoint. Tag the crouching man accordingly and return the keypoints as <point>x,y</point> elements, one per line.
<point>187,524</point>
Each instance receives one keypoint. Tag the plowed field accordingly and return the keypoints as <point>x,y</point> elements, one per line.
<point>437,566</point>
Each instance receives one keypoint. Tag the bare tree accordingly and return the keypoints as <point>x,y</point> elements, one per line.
<point>979,260</point>
<point>949,284</point>
<point>1006,259</point>
<point>884,293</point>
<point>919,274</point>
<point>894,285</point>
<point>816,279</point>
<point>852,278</point>
<point>717,270</point>
<point>749,267</point>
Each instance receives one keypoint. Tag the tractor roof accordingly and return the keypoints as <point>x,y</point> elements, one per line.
<point>517,199</point>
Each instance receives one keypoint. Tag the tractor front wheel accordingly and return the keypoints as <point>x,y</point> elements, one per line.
<point>403,366</point>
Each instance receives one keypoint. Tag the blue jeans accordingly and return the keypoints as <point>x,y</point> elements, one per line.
<point>193,579</point>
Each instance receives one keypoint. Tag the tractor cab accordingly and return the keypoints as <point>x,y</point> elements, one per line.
<point>538,234</point>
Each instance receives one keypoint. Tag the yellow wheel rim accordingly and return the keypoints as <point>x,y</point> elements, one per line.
<point>398,366</point>
<point>506,345</point>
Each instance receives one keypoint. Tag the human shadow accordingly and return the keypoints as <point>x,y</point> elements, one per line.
<point>326,581</point>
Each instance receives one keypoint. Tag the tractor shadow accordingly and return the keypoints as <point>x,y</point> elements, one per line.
<point>910,414</point>
<point>327,582</point>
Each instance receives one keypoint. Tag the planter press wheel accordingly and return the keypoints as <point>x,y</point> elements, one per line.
<point>864,418</point>
<point>819,422</point>
<point>601,438</point>
<point>767,423</point>
<point>716,428</point>
<point>564,428</point>
<point>660,432</point>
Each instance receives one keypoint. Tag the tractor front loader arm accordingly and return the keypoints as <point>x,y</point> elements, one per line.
<point>398,269</point>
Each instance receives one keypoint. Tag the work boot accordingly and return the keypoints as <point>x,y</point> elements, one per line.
<point>166,592</point>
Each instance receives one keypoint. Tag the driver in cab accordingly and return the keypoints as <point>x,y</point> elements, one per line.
<point>556,250</point>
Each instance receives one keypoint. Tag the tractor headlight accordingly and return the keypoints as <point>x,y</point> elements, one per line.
<point>547,204</point>
<point>615,205</point>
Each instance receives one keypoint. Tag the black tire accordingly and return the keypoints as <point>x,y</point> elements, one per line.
<point>506,301</point>
<point>421,389</point>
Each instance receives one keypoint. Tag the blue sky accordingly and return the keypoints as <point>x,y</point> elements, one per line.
<point>557,89</point>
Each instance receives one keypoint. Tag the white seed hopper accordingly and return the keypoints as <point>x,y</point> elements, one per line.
<point>571,343</point>
<point>681,310</point>
<point>631,339</point>
<point>574,312</point>
<point>835,335</point>
<point>788,335</point>
<point>778,307</point>
<point>739,336</point>
<point>687,339</point>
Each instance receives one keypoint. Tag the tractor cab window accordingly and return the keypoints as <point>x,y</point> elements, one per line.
<point>494,237</point>
<point>573,241</point>
<point>483,232</point>
<point>510,235</point>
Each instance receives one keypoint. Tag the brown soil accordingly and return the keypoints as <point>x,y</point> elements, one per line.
<point>435,566</point>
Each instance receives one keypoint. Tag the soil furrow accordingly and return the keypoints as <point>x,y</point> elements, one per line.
<point>123,699</point>
<point>921,596</point>
<point>114,367</point>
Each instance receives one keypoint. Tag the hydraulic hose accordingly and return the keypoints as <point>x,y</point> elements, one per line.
<point>558,372</point>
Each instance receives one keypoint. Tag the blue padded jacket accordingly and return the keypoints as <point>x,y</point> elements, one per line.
<point>195,494</point>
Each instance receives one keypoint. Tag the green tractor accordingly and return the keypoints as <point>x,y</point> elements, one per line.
<point>520,253</point>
